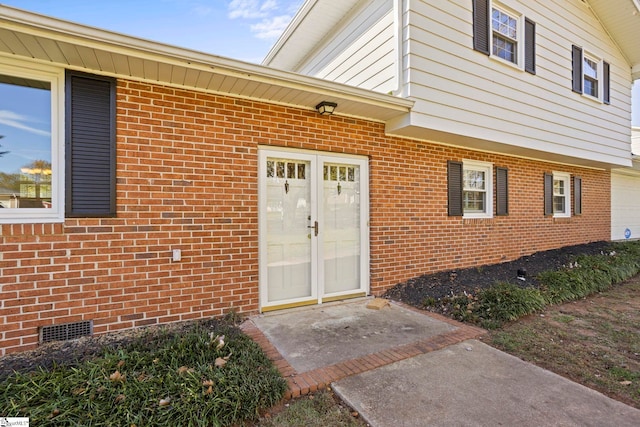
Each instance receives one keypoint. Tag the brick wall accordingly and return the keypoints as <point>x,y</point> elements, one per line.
<point>187,179</point>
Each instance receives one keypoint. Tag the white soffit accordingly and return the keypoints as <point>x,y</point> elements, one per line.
<point>32,36</point>
<point>622,20</point>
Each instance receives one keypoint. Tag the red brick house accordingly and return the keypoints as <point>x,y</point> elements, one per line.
<point>177,185</point>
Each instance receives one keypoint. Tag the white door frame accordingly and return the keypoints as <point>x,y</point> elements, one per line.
<point>317,160</point>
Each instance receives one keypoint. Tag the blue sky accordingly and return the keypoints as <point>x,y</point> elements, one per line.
<point>239,29</point>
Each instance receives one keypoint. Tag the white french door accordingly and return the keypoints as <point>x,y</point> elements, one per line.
<point>313,220</point>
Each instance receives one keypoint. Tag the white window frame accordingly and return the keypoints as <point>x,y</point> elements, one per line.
<point>599,75</point>
<point>566,178</point>
<point>519,51</point>
<point>55,77</point>
<point>487,168</point>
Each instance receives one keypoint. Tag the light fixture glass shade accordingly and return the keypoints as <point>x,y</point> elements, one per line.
<point>326,108</point>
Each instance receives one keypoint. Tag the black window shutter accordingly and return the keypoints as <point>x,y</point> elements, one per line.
<point>90,146</point>
<point>502,192</point>
<point>606,80</point>
<point>481,26</point>
<point>529,46</point>
<point>577,195</point>
<point>548,194</point>
<point>576,58</point>
<point>454,187</point>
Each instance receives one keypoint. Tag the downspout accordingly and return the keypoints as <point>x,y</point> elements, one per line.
<point>398,11</point>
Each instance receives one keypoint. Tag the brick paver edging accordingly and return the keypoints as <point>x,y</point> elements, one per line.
<point>301,383</point>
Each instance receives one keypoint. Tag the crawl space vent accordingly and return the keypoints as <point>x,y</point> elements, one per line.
<point>66,331</point>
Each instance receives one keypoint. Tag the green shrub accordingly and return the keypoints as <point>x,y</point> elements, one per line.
<point>506,302</point>
<point>165,379</point>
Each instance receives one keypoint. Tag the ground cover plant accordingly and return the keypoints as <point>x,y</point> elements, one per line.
<point>203,374</point>
<point>492,295</point>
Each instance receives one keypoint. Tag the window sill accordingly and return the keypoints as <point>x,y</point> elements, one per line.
<point>32,220</point>
<point>592,98</point>
<point>506,63</point>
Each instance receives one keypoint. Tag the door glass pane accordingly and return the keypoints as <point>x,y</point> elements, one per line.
<point>288,237</point>
<point>341,244</point>
<point>25,143</point>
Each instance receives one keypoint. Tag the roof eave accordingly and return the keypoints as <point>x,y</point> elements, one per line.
<point>379,107</point>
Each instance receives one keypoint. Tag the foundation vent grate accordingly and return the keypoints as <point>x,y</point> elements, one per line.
<point>66,331</point>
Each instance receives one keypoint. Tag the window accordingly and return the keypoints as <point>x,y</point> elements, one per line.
<point>591,76</point>
<point>30,143</point>
<point>557,194</point>
<point>504,34</point>
<point>504,39</point>
<point>470,186</point>
<point>477,189</point>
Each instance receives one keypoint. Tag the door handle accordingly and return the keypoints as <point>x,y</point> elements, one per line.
<point>315,228</point>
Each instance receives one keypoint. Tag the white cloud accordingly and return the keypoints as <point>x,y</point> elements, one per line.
<point>14,120</point>
<point>251,9</point>
<point>271,28</point>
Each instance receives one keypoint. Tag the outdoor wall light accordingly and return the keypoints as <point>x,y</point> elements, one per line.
<point>326,108</point>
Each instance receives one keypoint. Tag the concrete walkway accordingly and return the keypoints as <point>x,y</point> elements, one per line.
<point>398,366</point>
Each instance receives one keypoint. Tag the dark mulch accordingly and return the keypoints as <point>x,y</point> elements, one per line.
<point>469,280</point>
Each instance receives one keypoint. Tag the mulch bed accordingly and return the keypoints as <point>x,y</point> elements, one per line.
<point>470,280</point>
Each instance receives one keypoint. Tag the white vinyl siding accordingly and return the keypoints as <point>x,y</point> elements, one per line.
<point>462,92</point>
<point>362,53</point>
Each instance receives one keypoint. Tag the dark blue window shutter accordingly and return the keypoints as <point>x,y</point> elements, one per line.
<point>529,46</point>
<point>481,26</point>
<point>90,162</point>
<point>454,187</point>
<point>576,58</point>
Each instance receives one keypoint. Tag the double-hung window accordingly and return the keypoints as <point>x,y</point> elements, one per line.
<point>477,186</point>
<point>504,30</point>
<point>504,34</point>
<point>591,75</point>
<point>558,194</point>
<point>470,187</point>
<point>561,195</point>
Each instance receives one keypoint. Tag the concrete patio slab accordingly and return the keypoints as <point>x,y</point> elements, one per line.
<point>311,338</point>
